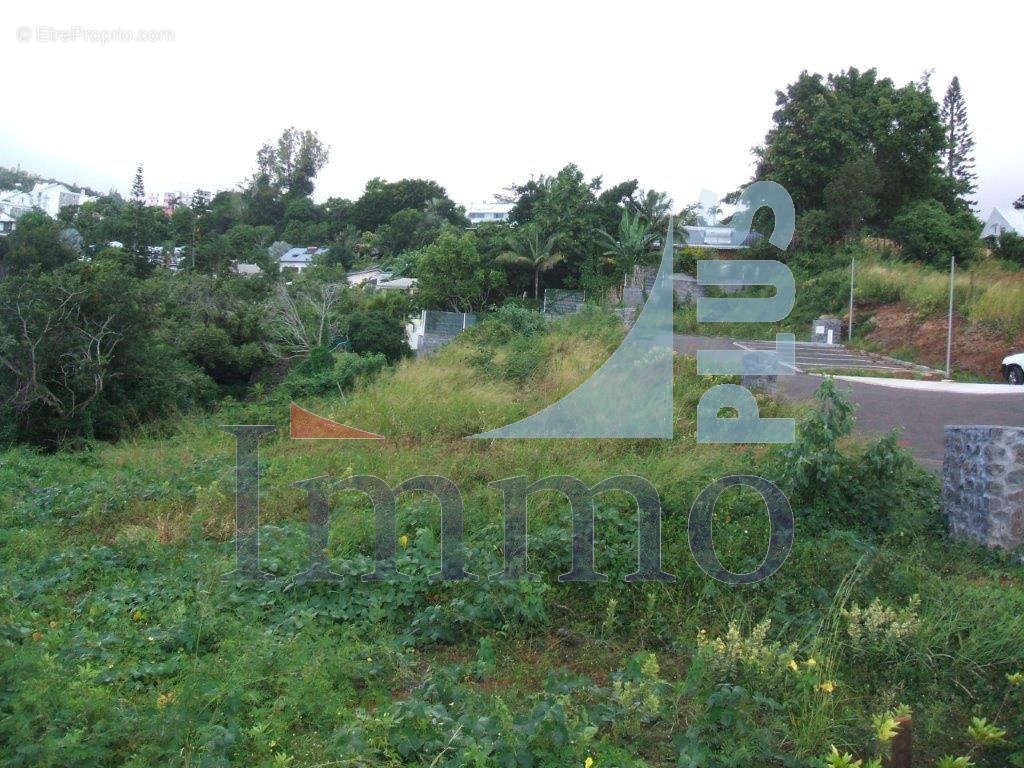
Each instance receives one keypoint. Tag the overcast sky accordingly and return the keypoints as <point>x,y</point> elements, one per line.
<point>476,95</point>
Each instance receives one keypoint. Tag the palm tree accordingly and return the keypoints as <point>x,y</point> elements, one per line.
<point>529,250</point>
<point>634,244</point>
<point>654,207</point>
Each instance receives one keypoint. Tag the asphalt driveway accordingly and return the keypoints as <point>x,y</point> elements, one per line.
<point>921,414</point>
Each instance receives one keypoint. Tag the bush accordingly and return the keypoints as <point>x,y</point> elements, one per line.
<point>930,234</point>
<point>378,332</point>
<point>1008,246</point>
<point>325,373</point>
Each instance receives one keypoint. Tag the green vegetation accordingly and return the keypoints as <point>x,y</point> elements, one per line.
<point>122,646</point>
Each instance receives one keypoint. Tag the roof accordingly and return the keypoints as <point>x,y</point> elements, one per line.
<point>1012,216</point>
<point>399,283</point>
<point>302,255</point>
<point>367,271</point>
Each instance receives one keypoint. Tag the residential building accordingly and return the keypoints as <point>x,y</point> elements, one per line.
<point>1003,220</point>
<point>482,212</point>
<point>6,224</point>
<point>299,259</point>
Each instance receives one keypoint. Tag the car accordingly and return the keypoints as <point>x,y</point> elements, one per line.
<point>1013,368</point>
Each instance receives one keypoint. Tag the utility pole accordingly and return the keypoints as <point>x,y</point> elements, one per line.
<point>949,335</point>
<point>853,267</point>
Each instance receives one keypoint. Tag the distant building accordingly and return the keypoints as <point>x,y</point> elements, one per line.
<point>246,270</point>
<point>398,284</point>
<point>1003,220</point>
<point>718,238</point>
<point>481,213</point>
<point>299,259</point>
<point>6,224</point>
<point>48,197</point>
<point>370,275</point>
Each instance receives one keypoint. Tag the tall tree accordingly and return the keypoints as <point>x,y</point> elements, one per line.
<point>532,251</point>
<point>1019,203</point>
<point>290,166</point>
<point>823,123</point>
<point>958,154</point>
<point>138,205</point>
<point>632,246</point>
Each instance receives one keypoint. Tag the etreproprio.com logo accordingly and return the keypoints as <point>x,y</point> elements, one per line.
<point>639,372</point>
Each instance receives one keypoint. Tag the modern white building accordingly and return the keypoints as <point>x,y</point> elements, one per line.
<point>51,197</point>
<point>1003,220</point>
<point>48,197</point>
<point>482,212</point>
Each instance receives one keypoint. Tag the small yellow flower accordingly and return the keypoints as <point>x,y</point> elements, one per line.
<point>1016,678</point>
<point>137,615</point>
<point>403,540</point>
<point>793,665</point>
<point>53,624</point>
<point>588,762</point>
<point>827,687</point>
<point>165,698</point>
<point>37,635</point>
<point>811,662</point>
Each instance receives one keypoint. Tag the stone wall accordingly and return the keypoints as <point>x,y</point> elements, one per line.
<point>983,484</point>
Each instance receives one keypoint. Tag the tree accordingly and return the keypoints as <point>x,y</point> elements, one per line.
<point>851,197</point>
<point>531,251</point>
<point>35,245</point>
<point>654,207</point>
<point>454,275</point>
<point>381,200</point>
<point>1019,203</point>
<point>303,318</point>
<point>822,124</point>
<point>290,166</point>
<point>375,331</point>
<point>633,245</point>
<point>958,154</point>
<point>138,206</point>
<point>929,233</point>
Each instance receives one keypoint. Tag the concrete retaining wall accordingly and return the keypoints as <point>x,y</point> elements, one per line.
<point>983,484</point>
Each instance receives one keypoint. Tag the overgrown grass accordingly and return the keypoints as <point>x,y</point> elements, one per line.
<point>120,644</point>
<point>986,291</point>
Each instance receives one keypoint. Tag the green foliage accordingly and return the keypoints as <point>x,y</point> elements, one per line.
<point>35,245</point>
<point>377,332</point>
<point>822,124</point>
<point>455,276</point>
<point>928,233</point>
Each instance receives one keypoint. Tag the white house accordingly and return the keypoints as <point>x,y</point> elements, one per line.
<point>299,259</point>
<point>482,212</point>
<point>51,197</point>
<point>398,284</point>
<point>6,224</point>
<point>1003,220</point>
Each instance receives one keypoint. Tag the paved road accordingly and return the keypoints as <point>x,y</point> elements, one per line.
<point>921,414</point>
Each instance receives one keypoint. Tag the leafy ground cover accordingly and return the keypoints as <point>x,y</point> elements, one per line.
<point>121,645</point>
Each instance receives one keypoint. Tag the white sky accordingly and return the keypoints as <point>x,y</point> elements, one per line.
<point>475,95</point>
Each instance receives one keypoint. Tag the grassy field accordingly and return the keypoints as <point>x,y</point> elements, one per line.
<point>987,292</point>
<point>121,645</point>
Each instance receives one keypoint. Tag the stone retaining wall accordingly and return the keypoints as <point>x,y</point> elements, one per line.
<point>983,484</point>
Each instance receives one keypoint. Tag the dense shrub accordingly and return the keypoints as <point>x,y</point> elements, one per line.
<point>1008,246</point>
<point>377,332</point>
<point>927,232</point>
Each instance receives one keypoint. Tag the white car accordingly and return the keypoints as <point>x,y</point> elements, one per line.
<point>1013,368</point>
